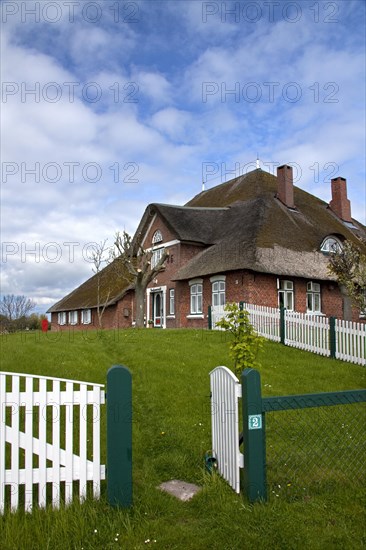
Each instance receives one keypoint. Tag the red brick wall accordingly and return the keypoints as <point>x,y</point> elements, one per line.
<point>259,289</point>
<point>113,317</point>
<point>247,286</point>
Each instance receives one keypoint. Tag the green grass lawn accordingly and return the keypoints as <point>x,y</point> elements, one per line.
<point>172,432</point>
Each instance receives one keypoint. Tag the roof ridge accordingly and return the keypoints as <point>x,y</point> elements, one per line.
<point>184,207</point>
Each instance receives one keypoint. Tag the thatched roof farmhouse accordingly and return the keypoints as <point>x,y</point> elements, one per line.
<point>256,238</point>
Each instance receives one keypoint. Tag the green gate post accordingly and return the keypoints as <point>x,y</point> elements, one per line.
<point>209,316</point>
<point>332,337</point>
<point>282,326</point>
<point>119,436</point>
<point>254,437</point>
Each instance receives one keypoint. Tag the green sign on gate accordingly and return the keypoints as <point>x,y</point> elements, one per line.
<point>255,422</point>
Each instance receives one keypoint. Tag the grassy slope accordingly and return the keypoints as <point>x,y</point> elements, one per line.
<point>171,434</point>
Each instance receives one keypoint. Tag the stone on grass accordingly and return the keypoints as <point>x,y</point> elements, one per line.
<point>180,489</point>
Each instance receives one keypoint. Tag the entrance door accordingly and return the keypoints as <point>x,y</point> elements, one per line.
<point>158,309</point>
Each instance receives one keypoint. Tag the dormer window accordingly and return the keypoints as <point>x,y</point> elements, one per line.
<point>157,237</point>
<point>331,245</point>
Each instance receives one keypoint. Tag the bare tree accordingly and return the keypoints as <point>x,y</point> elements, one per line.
<point>348,264</point>
<point>99,258</point>
<point>14,307</point>
<point>138,262</point>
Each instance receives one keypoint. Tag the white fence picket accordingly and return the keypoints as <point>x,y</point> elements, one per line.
<point>56,463</point>
<point>28,447</point>
<point>69,442</point>
<point>83,443</point>
<point>42,438</point>
<point>35,414</point>
<point>14,494</point>
<point>351,341</point>
<point>96,442</point>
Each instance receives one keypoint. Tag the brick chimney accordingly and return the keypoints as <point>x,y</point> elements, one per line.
<point>285,185</point>
<point>339,203</point>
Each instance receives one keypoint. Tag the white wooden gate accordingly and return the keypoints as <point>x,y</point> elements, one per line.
<point>49,438</point>
<point>225,393</point>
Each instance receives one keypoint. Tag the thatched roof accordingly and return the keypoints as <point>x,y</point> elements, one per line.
<point>187,224</point>
<point>113,282</point>
<point>256,231</point>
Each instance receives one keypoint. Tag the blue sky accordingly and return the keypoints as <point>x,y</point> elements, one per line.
<point>108,106</point>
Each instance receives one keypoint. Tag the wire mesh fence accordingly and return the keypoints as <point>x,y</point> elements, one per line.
<point>315,450</point>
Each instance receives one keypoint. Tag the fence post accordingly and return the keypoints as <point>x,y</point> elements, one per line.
<point>209,316</point>
<point>332,337</point>
<point>282,325</point>
<point>254,436</point>
<point>119,436</point>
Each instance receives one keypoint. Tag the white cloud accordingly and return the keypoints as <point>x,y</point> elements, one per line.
<point>162,139</point>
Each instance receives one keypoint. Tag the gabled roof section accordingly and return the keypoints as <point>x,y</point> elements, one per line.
<point>188,224</point>
<point>114,281</point>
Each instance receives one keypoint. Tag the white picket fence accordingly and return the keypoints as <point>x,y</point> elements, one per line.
<point>310,333</point>
<point>49,439</point>
<point>217,313</point>
<point>266,321</point>
<point>307,332</point>
<point>351,341</point>
<point>225,393</point>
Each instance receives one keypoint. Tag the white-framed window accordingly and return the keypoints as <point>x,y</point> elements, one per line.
<point>61,318</point>
<point>86,316</point>
<point>171,301</point>
<point>73,317</point>
<point>330,245</point>
<point>196,297</point>
<point>218,293</point>
<point>156,256</point>
<point>157,237</point>
<point>286,294</point>
<point>313,299</point>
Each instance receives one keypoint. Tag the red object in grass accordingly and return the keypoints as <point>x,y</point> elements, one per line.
<point>44,325</point>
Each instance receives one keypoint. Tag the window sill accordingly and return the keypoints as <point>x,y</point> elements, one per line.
<point>170,316</point>
<point>195,316</point>
<point>317,313</point>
